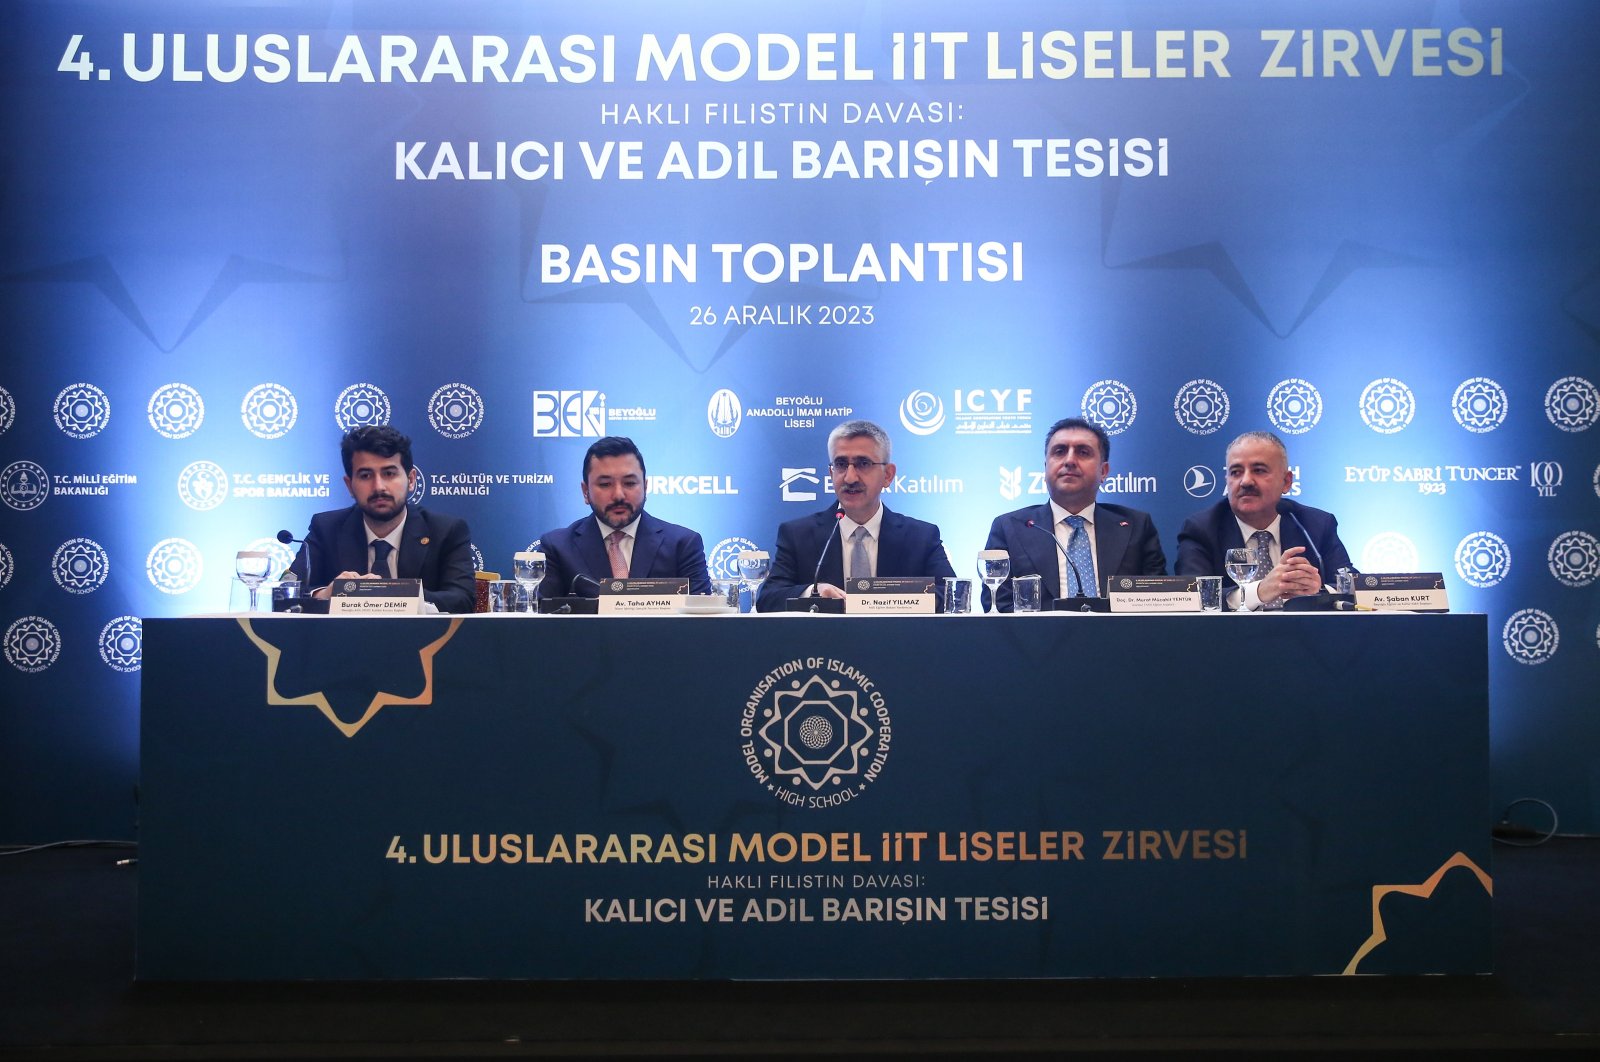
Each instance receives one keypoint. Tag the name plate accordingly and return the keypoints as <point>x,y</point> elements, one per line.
<point>902,596</point>
<point>1402,591</point>
<point>1153,593</point>
<point>642,597</point>
<point>375,597</point>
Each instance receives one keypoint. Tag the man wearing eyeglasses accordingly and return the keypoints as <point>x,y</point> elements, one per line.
<point>858,537</point>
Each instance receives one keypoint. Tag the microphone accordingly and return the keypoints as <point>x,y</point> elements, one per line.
<point>1076,574</point>
<point>838,516</point>
<point>288,539</point>
<point>1287,508</point>
<point>593,589</point>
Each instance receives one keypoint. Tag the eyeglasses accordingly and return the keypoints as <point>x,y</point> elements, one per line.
<point>862,465</point>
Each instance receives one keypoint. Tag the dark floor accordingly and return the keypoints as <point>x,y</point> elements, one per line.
<point>67,992</point>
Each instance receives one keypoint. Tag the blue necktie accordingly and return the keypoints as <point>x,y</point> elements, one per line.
<point>1082,566</point>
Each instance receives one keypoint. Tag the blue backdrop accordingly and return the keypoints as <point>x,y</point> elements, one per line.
<point>236,230</point>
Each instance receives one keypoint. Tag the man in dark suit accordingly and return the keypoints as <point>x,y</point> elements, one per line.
<point>1073,537</point>
<point>857,538</point>
<point>380,536</point>
<point>620,539</point>
<point>1302,543</point>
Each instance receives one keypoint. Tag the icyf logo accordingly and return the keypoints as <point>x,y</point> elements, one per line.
<point>455,411</point>
<point>569,414</point>
<point>32,643</point>
<point>1387,405</point>
<point>361,405</point>
<point>922,413</point>
<point>24,485</point>
<point>1483,559</point>
<point>80,565</point>
<point>1201,406</point>
<point>82,411</point>
<point>176,411</point>
<point>269,411</point>
<point>202,485</point>
<point>815,732</point>
<point>1530,636</point>
<point>1294,406</point>
<point>1110,404</point>
<point>723,413</point>
<point>122,643</point>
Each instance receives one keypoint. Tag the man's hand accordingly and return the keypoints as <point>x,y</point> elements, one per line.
<point>1293,576</point>
<point>324,593</point>
<point>829,590</point>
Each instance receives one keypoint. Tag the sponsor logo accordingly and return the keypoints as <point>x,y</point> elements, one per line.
<point>415,495</point>
<point>922,413</point>
<point>24,485</point>
<point>176,411</point>
<point>32,643</point>
<point>1572,404</point>
<point>174,566</point>
<point>8,566</point>
<point>724,413</point>
<point>1011,483</point>
<point>1530,636</point>
<point>1479,404</point>
<point>676,485</point>
<point>269,411</point>
<point>1483,559</point>
<point>1294,406</point>
<point>1432,479</point>
<point>569,414</point>
<point>1389,551</point>
<point>82,411</point>
<point>798,411</point>
<point>122,643</point>
<point>455,411</point>
<point>815,732</point>
<point>1200,481</point>
<point>1014,482</point>
<point>723,560</point>
<point>479,484</point>
<point>1545,477</point>
<point>80,565</point>
<point>1387,405</point>
<point>973,411</point>
<point>795,483</point>
<point>1201,406</point>
<point>361,405</point>
<point>1575,558</point>
<point>202,485</point>
<point>1110,404</point>
<point>8,411</point>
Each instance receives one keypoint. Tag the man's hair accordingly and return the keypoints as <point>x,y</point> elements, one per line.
<point>1257,436</point>
<point>377,439</point>
<point>611,446</point>
<point>858,429</point>
<point>1084,425</point>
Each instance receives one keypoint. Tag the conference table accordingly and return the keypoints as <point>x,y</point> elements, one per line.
<point>816,797</point>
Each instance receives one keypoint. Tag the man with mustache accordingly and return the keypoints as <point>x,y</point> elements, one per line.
<point>1255,514</point>
<point>872,541</point>
<point>620,540</point>
<point>382,537</point>
<point>1092,540</point>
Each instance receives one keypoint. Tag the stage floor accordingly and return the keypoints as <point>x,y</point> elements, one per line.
<point>67,992</point>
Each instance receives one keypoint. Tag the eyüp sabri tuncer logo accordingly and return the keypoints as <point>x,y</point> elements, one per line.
<point>815,732</point>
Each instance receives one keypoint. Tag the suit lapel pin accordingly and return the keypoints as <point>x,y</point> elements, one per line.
<point>423,540</point>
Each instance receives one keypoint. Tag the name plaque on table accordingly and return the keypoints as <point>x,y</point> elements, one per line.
<point>375,597</point>
<point>898,596</point>
<point>1153,593</point>
<point>642,597</point>
<point>1402,591</point>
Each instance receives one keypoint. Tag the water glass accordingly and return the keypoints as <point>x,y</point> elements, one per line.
<point>957,596</point>
<point>1027,593</point>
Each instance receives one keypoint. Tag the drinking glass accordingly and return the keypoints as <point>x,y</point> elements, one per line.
<point>252,566</point>
<point>529,568</point>
<point>1243,566</point>
<point>994,566</point>
<point>754,567</point>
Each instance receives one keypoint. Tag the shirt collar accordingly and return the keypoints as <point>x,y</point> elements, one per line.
<point>872,525</point>
<point>631,530</point>
<point>1245,530</point>
<point>1061,514</point>
<point>395,535</point>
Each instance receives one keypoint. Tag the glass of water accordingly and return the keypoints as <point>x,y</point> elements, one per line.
<point>1243,566</point>
<point>529,569</point>
<point>252,566</point>
<point>754,567</point>
<point>994,567</point>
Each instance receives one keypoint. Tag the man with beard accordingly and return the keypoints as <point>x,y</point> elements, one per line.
<point>872,541</point>
<point>382,537</point>
<point>1074,542</point>
<point>1302,544</point>
<point>620,540</point>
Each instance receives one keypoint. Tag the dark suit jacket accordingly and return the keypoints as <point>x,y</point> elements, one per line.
<point>1125,543</point>
<point>660,550</point>
<point>1209,534</point>
<point>906,547</point>
<point>434,548</point>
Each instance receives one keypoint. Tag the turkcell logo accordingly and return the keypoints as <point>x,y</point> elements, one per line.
<point>569,414</point>
<point>691,485</point>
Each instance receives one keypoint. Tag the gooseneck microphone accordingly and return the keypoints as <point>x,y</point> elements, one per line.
<point>288,539</point>
<point>1287,508</point>
<point>1056,542</point>
<point>592,589</point>
<point>833,533</point>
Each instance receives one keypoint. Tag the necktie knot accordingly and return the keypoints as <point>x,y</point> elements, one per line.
<point>1261,542</point>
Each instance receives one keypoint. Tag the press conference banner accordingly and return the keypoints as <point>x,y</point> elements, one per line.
<point>234,231</point>
<point>798,797</point>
